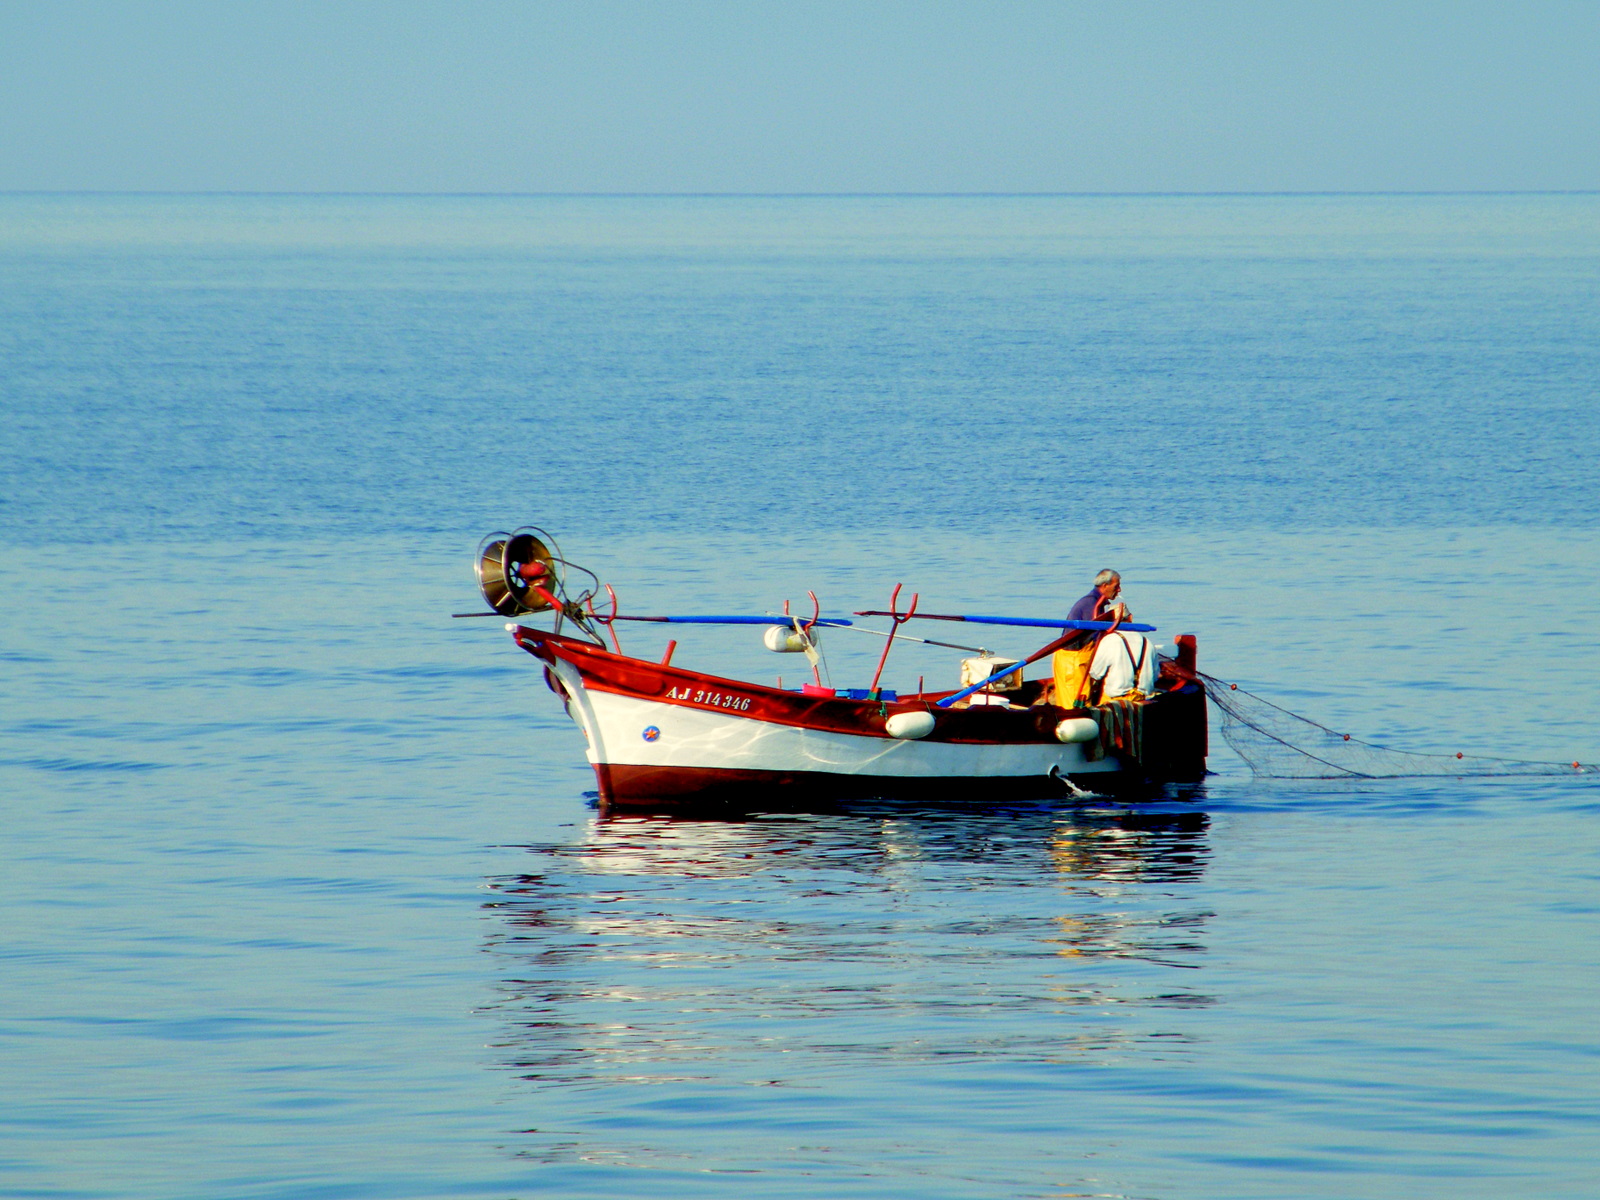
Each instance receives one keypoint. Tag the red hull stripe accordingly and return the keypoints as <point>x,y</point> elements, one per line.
<point>603,671</point>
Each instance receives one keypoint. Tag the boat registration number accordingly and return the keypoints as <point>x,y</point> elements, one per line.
<point>712,699</point>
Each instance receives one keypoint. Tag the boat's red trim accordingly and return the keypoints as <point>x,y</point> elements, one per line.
<point>603,671</point>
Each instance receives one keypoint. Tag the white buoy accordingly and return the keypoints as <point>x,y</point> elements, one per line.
<point>1077,729</point>
<point>910,725</point>
<point>782,639</point>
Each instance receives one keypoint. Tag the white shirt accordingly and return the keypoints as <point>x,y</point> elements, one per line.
<point>1114,663</point>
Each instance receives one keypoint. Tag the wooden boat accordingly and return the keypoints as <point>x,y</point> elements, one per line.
<point>660,734</point>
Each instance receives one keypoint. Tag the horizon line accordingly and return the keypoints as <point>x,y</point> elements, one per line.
<point>796,195</point>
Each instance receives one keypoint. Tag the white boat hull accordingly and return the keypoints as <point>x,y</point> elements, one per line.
<point>627,730</point>
<point>659,734</point>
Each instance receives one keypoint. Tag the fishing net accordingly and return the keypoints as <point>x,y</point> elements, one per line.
<point>1279,744</point>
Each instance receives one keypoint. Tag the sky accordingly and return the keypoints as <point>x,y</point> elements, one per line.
<point>797,96</point>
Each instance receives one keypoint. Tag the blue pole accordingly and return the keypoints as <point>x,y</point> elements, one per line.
<point>979,686</point>
<point>1032,622</point>
<point>1017,666</point>
<point>732,620</point>
<point>1047,624</point>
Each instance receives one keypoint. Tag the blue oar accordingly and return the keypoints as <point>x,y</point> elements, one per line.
<point>716,620</point>
<point>697,620</point>
<point>1035,622</point>
<point>980,685</point>
<point>1032,658</point>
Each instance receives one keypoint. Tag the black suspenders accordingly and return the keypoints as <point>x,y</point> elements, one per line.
<point>1144,648</point>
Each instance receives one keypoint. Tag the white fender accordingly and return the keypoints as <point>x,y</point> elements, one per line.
<point>782,639</point>
<point>1077,729</point>
<point>912,725</point>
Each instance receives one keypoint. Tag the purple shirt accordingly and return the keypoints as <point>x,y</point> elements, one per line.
<point>1083,610</point>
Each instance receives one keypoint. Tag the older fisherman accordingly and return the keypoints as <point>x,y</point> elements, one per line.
<point>1070,666</point>
<point>1098,604</point>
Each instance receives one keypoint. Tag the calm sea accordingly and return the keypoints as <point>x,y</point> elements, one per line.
<point>304,894</point>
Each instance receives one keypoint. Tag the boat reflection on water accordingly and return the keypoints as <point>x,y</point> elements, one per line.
<point>1117,842</point>
<point>655,970</point>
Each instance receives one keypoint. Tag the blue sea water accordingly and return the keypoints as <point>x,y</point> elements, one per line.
<point>303,891</point>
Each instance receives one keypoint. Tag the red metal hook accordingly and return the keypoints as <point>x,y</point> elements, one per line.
<point>894,615</point>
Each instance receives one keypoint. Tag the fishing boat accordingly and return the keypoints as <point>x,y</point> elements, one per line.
<point>661,734</point>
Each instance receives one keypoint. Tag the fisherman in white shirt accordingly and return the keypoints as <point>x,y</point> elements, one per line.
<point>1124,662</point>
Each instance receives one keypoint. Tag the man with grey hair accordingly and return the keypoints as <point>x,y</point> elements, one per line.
<point>1124,663</point>
<point>1098,604</point>
<point>1079,659</point>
